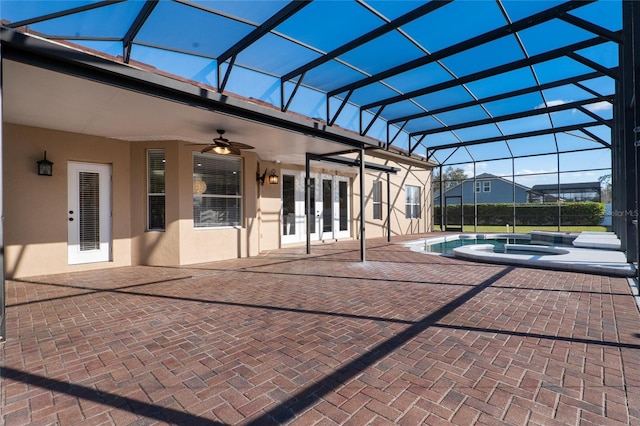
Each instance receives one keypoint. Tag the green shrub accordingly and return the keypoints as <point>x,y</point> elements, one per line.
<point>500,214</point>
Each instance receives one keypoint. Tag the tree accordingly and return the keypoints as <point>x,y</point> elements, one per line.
<point>452,177</point>
<point>605,188</point>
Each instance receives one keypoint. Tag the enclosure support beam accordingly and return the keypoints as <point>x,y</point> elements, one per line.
<point>558,200</point>
<point>475,199</point>
<point>363,255</point>
<point>388,208</point>
<point>513,189</point>
<point>441,197</point>
<point>633,126</point>
<point>307,198</point>
<point>626,186</point>
<point>3,317</point>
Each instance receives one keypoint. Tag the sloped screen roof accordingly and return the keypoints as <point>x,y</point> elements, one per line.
<point>446,80</point>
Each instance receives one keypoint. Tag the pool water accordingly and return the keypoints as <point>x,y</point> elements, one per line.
<point>448,246</point>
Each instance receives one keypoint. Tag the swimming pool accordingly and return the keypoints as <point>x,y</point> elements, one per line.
<point>448,246</point>
<point>445,245</point>
<point>540,249</point>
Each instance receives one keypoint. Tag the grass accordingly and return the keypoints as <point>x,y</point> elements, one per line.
<point>526,229</point>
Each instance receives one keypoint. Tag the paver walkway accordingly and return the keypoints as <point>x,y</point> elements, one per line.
<point>285,338</point>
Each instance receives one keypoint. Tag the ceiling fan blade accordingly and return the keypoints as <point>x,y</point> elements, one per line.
<point>240,145</point>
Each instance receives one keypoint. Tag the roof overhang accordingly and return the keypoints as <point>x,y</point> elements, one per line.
<point>120,101</point>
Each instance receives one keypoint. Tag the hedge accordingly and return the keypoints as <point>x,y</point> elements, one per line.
<point>500,214</point>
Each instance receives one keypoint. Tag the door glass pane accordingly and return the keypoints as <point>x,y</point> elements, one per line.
<point>312,204</point>
<point>343,205</point>
<point>89,213</point>
<point>288,205</point>
<point>327,206</point>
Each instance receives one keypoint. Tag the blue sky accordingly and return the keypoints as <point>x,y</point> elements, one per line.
<point>191,38</point>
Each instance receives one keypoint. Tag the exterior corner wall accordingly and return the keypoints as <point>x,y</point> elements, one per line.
<point>400,224</point>
<point>154,248</point>
<point>36,218</point>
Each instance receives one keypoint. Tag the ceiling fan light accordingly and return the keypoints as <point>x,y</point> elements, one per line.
<point>222,150</point>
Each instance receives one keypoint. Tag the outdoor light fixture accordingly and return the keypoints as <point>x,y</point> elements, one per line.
<point>273,177</point>
<point>45,167</point>
<point>260,178</point>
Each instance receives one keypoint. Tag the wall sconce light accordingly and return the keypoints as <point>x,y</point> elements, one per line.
<point>260,178</point>
<point>45,167</point>
<point>273,177</point>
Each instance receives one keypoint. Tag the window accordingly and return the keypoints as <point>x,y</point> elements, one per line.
<point>412,202</point>
<point>478,186</point>
<point>486,186</point>
<point>377,200</point>
<point>155,190</point>
<point>217,191</point>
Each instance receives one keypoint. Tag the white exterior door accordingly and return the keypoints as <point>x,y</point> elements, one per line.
<point>294,221</point>
<point>335,209</point>
<point>331,213</point>
<point>89,212</point>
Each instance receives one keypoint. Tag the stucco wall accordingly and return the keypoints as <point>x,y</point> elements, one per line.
<point>270,201</point>
<point>35,206</point>
<point>36,218</point>
<point>400,225</point>
<point>269,207</point>
<point>181,243</point>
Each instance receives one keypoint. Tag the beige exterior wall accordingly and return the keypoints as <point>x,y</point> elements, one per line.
<point>271,203</point>
<point>36,218</point>
<point>36,206</point>
<point>400,225</point>
<point>269,207</point>
<point>181,243</point>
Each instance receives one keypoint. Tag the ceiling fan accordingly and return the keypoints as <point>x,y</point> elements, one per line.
<point>222,145</point>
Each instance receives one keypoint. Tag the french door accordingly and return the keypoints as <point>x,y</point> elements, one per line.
<point>330,207</point>
<point>89,213</point>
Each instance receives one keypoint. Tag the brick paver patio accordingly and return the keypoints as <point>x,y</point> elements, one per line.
<point>404,338</point>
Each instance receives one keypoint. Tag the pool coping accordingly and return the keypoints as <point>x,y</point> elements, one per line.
<point>574,259</point>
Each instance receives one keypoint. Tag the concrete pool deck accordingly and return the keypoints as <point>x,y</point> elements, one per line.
<point>593,252</point>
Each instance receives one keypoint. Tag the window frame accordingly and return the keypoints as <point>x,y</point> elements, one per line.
<point>486,184</point>
<point>150,194</point>
<point>212,159</point>
<point>412,202</point>
<point>377,199</point>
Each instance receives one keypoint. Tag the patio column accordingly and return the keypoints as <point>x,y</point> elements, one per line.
<point>388,207</point>
<point>362,207</point>
<point>513,190</point>
<point>475,199</point>
<point>627,139</point>
<point>558,179</point>
<point>625,197</point>
<point>3,318</point>
<point>633,126</point>
<point>307,199</point>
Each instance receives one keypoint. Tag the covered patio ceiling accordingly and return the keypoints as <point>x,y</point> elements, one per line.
<point>445,81</point>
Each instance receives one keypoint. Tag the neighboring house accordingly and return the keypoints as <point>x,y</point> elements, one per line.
<point>566,192</point>
<point>488,189</point>
<point>131,185</point>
